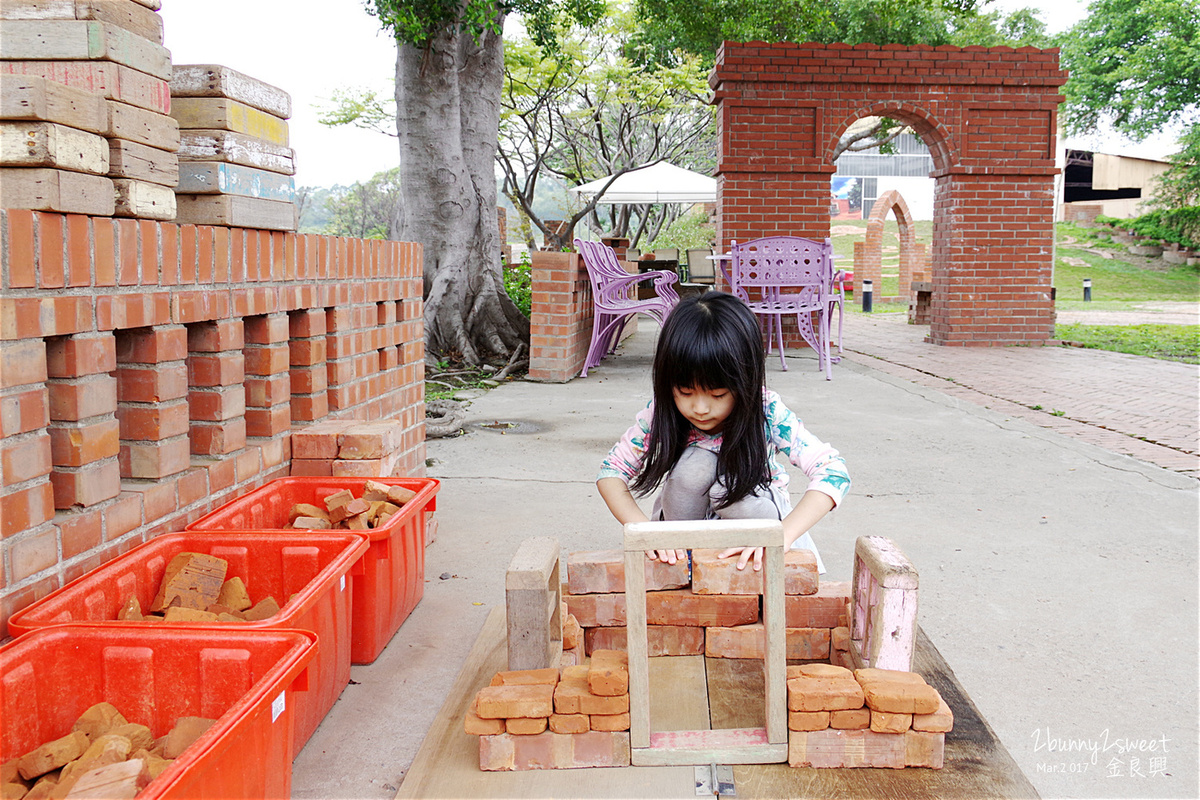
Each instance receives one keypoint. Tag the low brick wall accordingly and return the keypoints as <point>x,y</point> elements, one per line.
<point>151,371</point>
<point>560,316</point>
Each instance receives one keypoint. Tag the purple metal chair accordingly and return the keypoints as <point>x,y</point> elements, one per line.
<point>792,276</point>
<point>615,301</point>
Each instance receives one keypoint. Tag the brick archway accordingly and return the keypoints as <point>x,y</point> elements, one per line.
<point>868,254</point>
<point>989,117</point>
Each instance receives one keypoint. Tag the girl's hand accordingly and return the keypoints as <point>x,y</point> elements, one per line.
<point>746,553</point>
<point>669,556</point>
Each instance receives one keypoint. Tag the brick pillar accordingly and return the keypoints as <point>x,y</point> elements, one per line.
<point>306,357</point>
<point>152,406</point>
<point>85,437</point>
<point>216,397</point>
<point>346,361</point>
<point>268,384</point>
<point>561,318</point>
<point>30,543</point>
<point>387,336</point>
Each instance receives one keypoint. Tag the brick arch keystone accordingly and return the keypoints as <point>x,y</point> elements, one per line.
<point>991,114</point>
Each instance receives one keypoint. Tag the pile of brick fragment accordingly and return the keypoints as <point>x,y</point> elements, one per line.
<point>552,719</point>
<point>714,611</point>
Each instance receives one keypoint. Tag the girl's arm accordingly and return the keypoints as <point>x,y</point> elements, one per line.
<point>808,512</point>
<point>624,507</point>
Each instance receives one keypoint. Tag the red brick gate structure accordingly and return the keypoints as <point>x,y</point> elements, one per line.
<point>988,116</point>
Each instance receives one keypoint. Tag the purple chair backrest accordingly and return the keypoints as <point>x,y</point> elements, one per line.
<point>789,264</point>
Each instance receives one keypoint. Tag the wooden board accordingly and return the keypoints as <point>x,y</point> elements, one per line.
<point>977,764</point>
<point>153,5</point>
<point>239,212</point>
<point>142,163</point>
<point>44,189</point>
<point>447,764</point>
<point>678,694</point>
<point>131,16</point>
<point>216,177</point>
<point>235,148</point>
<point>144,127</point>
<point>143,200</point>
<point>44,144</point>
<point>70,40</point>
<point>219,113</point>
<point>214,80</point>
<point>28,97</point>
<point>112,81</point>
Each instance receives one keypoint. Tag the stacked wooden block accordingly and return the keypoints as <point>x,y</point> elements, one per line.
<point>547,719</point>
<point>715,612</point>
<point>235,162</point>
<point>348,448</point>
<point>865,718</point>
<point>84,104</point>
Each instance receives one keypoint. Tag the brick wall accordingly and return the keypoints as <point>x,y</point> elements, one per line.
<point>560,316</point>
<point>988,116</point>
<point>150,371</point>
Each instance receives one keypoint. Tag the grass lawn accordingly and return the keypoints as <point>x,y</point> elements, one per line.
<point>1171,342</point>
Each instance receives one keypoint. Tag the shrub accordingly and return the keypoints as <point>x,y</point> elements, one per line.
<point>518,283</point>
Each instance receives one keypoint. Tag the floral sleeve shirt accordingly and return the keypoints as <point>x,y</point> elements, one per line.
<point>821,463</point>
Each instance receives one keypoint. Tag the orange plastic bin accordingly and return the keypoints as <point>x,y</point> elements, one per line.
<point>393,576</point>
<point>314,570</point>
<point>246,680</point>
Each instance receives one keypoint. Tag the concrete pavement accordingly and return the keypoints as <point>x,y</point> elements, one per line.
<point>1058,574</point>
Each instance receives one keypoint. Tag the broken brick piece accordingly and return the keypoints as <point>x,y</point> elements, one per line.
<point>808,720</point>
<point>901,696</point>
<point>181,614</point>
<point>131,609</point>
<point>507,702</point>
<point>191,580</point>
<point>104,750</point>
<point>52,755</point>
<point>234,595</point>
<point>99,719</point>
<point>267,607</point>
<point>609,722</point>
<point>570,723</point>
<point>154,763</point>
<point>338,499</point>
<point>375,491</point>
<point>526,677</point>
<point>609,673</point>
<point>886,722</point>
<point>186,731</point>
<point>307,510</point>
<point>311,524</point>
<point>478,726</point>
<point>850,719</point>
<point>125,779</point>
<point>350,508</point>
<point>399,495</point>
<point>139,736</point>
<point>525,726</point>
<point>940,721</point>
<point>572,632</point>
<point>839,638</point>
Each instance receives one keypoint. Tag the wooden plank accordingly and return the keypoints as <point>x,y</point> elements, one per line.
<point>636,645</point>
<point>447,763</point>
<point>142,163</point>
<point>214,80</point>
<point>239,212</point>
<point>775,660</point>
<point>131,16</point>
<point>28,97</point>
<point>219,113</point>
<point>44,144</point>
<point>886,561</point>
<point>153,5</point>
<point>714,535</point>
<point>144,127</point>
<point>112,81</point>
<point>235,148</point>
<point>44,189</point>
<point>536,558</point>
<point>143,200</point>
<point>727,746</point>
<point>70,40</point>
<point>730,682</point>
<point>679,697</point>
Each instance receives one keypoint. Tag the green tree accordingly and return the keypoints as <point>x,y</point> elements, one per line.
<point>1135,63</point>
<point>364,210</point>
<point>449,73</point>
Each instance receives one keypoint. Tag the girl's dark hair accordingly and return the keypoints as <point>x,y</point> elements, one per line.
<point>711,342</point>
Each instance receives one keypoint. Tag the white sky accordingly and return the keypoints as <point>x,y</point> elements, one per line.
<point>309,48</point>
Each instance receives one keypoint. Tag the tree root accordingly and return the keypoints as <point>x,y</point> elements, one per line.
<point>443,418</point>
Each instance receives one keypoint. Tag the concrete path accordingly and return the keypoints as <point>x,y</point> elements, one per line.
<point>1058,573</point>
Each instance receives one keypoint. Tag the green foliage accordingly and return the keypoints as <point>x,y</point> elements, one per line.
<point>518,283</point>
<point>1171,342</point>
<point>362,108</point>
<point>1136,62</point>
<point>364,210</point>
<point>691,231</point>
<point>418,22</point>
<point>1167,226</point>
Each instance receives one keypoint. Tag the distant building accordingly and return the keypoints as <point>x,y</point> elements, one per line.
<point>1105,183</point>
<point>906,170</point>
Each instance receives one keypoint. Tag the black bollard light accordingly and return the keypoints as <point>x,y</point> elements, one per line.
<point>867,291</point>
<point>1087,290</point>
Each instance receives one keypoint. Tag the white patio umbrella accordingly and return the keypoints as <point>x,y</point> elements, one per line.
<point>659,183</point>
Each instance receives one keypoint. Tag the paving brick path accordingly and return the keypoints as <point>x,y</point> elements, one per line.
<point>1140,407</point>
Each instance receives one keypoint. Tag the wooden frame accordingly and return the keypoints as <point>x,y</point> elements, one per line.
<point>883,605</point>
<point>734,746</point>
<point>533,602</point>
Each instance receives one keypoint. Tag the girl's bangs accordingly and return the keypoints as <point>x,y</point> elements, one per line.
<point>699,363</point>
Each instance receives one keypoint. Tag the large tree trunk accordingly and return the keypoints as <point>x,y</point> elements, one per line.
<point>447,117</point>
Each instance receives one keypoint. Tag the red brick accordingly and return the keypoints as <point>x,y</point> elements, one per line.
<point>309,407</point>
<point>312,467</point>
<point>50,251</point>
<point>24,458</point>
<point>306,323</point>
<point>550,750</point>
<point>213,337</point>
<point>80,355</point>
<point>22,362</point>
<point>122,515</point>
<point>850,719</point>
<point>26,508</point>
<point>79,444</point>
<point>900,696</point>
<point>80,531</point>
<point>475,725</point>
<point>681,607</point>
<point>522,726</point>
<point>887,722</point>
<point>820,610</point>
<point>306,352</point>
<point>32,553</point>
<point>939,721</point>
<point>597,610</point>
<point>662,640</point>
<point>823,694</point>
<point>104,249</point>
<point>526,677</point>
<point>319,440</point>
<point>808,720</point>
<point>152,345</point>
<point>268,422</point>
<point>608,674</point>
<point>603,571</point>
<point>922,749</point>
<point>216,369</point>
<point>214,439</point>
<point>87,485</point>
<point>217,405</point>
<point>266,329</point>
<point>307,380</point>
<point>570,723</point>
<point>127,243</point>
<point>155,459</point>
<point>609,722</point>
<point>507,702</point>
<point>152,384</point>
<point>267,359</point>
<point>22,257</point>
<point>24,411</point>
<point>154,421</point>
<point>80,399</point>
<point>832,748</point>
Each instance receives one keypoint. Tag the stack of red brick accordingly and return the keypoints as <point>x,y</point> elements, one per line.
<point>716,612</point>
<point>544,719</point>
<point>866,718</point>
<point>348,448</point>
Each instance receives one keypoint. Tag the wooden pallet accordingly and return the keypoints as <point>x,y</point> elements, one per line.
<point>692,692</point>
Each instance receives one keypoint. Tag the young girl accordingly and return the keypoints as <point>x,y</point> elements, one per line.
<point>710,434</point>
